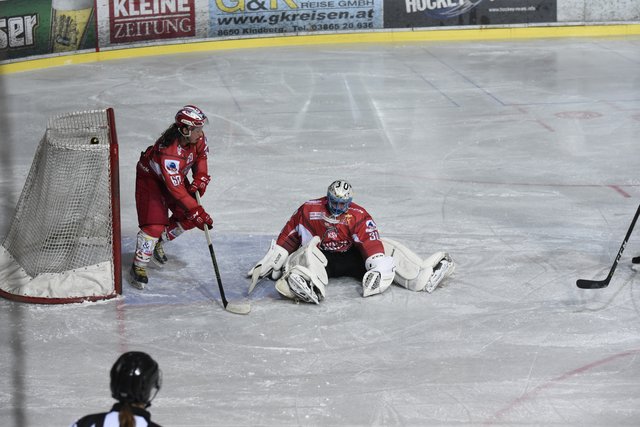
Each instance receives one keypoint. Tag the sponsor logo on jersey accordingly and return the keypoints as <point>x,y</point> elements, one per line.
<point>190,158</point>
<point>172,166</point>
<point>331,242</point>
<point>314,216</point>
<point>371,226</point>
<point>339,246</point>
<point>331,233</point>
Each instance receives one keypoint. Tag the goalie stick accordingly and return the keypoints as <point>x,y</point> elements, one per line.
<point>238,308</point>
<point>599,284</point>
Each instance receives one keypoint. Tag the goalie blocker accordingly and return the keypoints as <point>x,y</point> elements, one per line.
<point>303,276</point>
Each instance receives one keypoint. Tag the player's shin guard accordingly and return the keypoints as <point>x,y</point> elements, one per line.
<point>144,251</point>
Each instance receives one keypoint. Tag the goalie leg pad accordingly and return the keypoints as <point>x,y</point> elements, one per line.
<point>305,276</point>
<point>414,273</point>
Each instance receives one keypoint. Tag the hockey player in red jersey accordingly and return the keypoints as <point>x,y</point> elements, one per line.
<point>332,237</point>
<point>162,186</point>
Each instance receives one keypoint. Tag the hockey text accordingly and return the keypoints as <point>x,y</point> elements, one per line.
<point>422,5</point>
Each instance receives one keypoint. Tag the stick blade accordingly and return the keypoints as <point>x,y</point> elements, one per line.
<point>591,284</point>
<point>238,307</point>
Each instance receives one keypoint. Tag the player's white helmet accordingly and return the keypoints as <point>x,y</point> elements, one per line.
<point>339,196</point>
<point>189,117</point>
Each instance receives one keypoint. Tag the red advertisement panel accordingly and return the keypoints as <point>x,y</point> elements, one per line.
<point>144,20</point>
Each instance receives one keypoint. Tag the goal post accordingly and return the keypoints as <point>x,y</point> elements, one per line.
<point>64,241</point>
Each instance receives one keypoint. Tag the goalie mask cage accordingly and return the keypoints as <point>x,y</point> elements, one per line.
<point>63,244</point>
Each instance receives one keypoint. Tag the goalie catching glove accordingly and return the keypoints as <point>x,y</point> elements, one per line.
<point>271,264</point>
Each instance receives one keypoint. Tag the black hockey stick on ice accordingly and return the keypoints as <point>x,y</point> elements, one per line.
<point>599,284</point>
<point>233,307</point>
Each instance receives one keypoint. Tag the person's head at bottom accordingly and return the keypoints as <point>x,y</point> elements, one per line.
<point>135,380</point>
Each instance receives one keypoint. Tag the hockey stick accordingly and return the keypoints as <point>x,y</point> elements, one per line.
<point>238,308</point>
<point>599,284</point>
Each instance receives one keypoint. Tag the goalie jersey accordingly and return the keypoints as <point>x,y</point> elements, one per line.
<point>337,234</point>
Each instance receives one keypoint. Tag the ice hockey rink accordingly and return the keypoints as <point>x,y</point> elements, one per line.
<point>518,157</point>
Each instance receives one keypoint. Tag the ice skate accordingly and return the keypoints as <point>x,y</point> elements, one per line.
<point>302,289</point>
<point>138,277</point>
<point>159,257</point>
<point>443,269</point>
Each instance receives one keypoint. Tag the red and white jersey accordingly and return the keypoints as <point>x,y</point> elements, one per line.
<point>337,234</point>
<point>172,162</point>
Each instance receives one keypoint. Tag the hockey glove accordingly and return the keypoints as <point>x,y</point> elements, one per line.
<point>197,217</point>
<point>200,182</point>
<point>380,273</point>
<point>270,264</point>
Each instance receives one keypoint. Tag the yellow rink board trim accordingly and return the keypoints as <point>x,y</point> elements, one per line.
<point>474,34</point>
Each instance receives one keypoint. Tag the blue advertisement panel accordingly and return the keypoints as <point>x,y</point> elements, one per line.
<point>432,13</point>
<point>233,18</point>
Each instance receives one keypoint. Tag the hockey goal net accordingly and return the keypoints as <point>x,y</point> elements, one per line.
<point>63,243</point>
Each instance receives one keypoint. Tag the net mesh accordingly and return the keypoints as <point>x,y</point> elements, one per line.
<point>63,218</point>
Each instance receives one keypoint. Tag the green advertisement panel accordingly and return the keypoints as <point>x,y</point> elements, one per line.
<point>40,27</point>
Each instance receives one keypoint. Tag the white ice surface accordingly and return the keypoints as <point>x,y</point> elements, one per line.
<point>519,158</point>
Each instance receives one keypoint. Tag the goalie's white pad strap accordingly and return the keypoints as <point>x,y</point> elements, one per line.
<point>380,275</point>
<point>414,273</point>
<point>272,262</point>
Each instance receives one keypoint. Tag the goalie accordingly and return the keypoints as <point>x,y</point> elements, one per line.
<point>332,237</point>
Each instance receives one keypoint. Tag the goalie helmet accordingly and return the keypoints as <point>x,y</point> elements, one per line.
<point>339,196</point>
<point>189,117</point>
<point>135,378</point>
